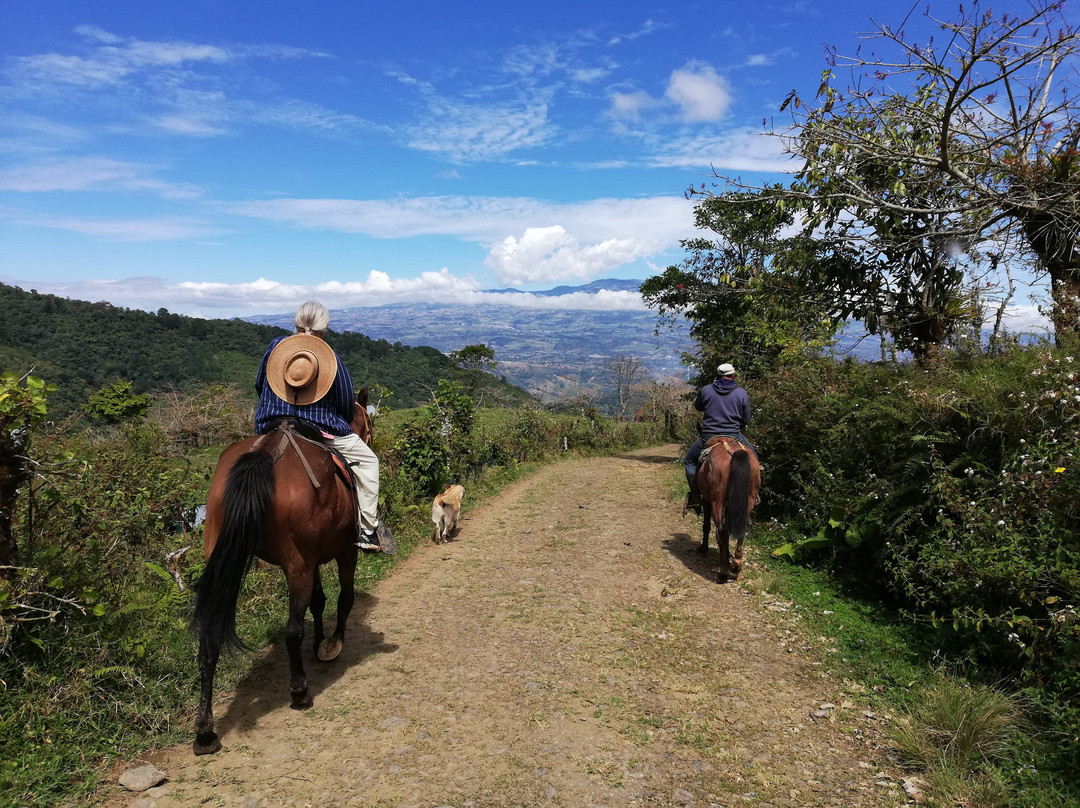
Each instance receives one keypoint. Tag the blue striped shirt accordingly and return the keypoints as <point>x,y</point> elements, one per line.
<point>332,413</point>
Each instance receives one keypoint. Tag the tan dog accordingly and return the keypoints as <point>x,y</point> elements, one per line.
<point>444,511</point>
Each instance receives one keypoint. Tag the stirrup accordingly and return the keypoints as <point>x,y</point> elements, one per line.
<point>368,541</point>
<point>692,504</point>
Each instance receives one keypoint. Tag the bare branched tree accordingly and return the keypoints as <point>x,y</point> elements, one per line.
<point>624,372</point>
<point>983,120</point>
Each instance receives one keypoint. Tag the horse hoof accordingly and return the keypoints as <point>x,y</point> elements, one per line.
<point>329,649</point>
<point>206,744</point>
<point>702,550</point>
<point>301,701</point>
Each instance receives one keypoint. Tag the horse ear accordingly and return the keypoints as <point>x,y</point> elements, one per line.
<point>361,397</point>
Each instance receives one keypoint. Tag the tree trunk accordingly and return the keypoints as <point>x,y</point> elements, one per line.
<point>12,476</point>
<point>1058,251</point>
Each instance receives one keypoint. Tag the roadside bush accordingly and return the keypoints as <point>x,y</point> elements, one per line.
<point>953,488</point>
<point>96,654</point>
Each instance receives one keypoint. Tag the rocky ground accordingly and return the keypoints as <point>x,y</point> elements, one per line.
<point>569,648</point>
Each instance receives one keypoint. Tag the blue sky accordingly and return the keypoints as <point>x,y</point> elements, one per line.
<point>227,157</point>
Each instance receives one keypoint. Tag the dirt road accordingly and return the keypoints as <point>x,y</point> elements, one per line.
<point>570,648</point>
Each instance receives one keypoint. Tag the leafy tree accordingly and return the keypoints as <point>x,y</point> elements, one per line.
<point>474,360</point>
<point>753,293</point>
<point>985,138</point>
<point>117,402</point>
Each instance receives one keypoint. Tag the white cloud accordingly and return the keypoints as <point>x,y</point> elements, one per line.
<point>188,125</point>
<point>759,60</point>
<point>90,174</point>
<point>1024,319</point>
<point>550,254</point>
<point>741,150</point>
<point>661,220</point>
<point>473,132</point>
<point>700,92</point>
<point>631,105</point>
<point>211,299</point>
<point>696,93</point>
<point>129,230</point>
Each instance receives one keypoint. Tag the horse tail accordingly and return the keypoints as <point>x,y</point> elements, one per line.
<point>245,505</point>
<point>736,505</point>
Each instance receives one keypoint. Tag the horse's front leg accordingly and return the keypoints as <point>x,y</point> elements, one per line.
<point>206,740</point>
<point>300,589</point>
<point>317,608</point>
<point>331,647</point>
<point>706,512</point>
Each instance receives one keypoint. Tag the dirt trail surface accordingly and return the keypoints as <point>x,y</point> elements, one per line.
<point>569,648</point>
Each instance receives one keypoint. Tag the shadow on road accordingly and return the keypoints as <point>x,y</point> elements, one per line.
<point>658,459</point>
<point>266,686</point>
<point>684,547</point>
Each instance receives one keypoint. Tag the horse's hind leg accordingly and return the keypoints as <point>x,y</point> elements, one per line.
<point>706,514</point>
<point>330,648</point>
<point>317,608</point>
<point>206,740</point>
<point>725,572</point>
<point>299,599</point>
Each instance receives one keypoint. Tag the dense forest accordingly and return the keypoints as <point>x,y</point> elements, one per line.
<point>81,347</point>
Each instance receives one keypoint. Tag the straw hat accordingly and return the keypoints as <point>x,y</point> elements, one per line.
<point>301,369</point>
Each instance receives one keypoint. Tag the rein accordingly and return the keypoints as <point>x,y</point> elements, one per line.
<point>287,433</point>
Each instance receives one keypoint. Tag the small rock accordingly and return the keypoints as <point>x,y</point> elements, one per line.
<point>911,788</point>
<point>142,778</point>
<point>682,796</point>
<point>550,792</point>
<point>392,721</point>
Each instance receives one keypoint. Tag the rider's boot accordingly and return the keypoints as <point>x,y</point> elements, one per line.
<point>377,540</point>
<point>693,496</point>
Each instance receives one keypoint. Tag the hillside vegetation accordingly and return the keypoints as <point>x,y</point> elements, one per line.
<point>81,347</point>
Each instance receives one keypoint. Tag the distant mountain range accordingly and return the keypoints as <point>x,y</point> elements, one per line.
<point>552,353</point>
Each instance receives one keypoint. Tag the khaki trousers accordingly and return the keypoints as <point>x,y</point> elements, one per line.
<point>366,467</point>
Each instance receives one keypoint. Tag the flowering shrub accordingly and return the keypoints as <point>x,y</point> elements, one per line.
<point>953,487</point>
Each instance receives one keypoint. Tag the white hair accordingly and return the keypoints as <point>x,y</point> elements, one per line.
<point>311,317</point>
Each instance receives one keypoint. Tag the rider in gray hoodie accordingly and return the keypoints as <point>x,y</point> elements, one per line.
<point>726,409</point>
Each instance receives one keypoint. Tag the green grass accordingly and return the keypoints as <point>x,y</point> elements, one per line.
<point>967,742</point>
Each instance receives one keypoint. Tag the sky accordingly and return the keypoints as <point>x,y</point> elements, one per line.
<point>223,158</point>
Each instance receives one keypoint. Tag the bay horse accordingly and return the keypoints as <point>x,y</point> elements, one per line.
<point>729,479</point>
<point>281,498</point>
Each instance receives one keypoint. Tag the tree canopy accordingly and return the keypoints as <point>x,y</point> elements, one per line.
<point>940,146</point>
<point>925,179</point>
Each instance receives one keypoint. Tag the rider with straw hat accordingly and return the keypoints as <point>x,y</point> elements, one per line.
<point>302,377</point>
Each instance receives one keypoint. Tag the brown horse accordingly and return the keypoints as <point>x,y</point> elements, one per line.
<point>281,498</point>
<point>729,479</point>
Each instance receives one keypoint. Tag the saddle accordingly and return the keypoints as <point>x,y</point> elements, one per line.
<point>288,430</point>
<point>728,443</point>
